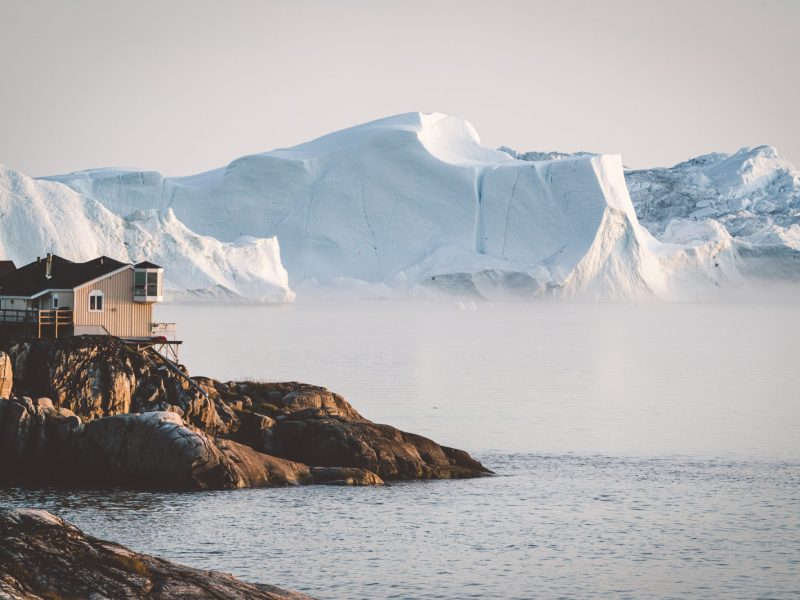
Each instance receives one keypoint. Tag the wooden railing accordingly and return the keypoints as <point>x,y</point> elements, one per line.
<point>54,317</point>
<point>16,315</point>
<point>26,319</point>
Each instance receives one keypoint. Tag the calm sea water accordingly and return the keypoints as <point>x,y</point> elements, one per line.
<point>641,451</point>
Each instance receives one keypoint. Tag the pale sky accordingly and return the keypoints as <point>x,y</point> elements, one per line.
<point>187,86</point>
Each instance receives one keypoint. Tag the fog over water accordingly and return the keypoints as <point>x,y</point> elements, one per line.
<point>710,379</point>
<point>641,451</point>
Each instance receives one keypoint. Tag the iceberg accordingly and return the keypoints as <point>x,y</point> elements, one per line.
<point>45,216</point>
<point>414,205</point>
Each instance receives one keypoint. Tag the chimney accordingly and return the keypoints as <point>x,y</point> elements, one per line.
<point>49,269</point>
<point>38,259</point>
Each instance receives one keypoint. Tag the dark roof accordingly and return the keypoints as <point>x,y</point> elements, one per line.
<point>146,265</point>
<point>6,266</point>
<point>30,280</point>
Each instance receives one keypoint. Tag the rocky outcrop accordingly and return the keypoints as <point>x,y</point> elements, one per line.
<point>314,437</point>
<point>123,417</point>
<point>99,376</point>
<point>314,426</point>
<point>153,450</point>
<point>43,557</point>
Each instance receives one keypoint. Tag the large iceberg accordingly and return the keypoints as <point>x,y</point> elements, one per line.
<point>408,205</point>
<point>414,204</point>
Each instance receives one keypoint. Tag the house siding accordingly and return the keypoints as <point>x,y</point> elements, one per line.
<point>121,316</point>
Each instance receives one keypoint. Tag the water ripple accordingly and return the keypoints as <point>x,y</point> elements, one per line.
<point>548,526</point>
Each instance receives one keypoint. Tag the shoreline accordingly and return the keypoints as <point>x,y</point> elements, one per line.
<point>43,556</point>
<point>107,414</point>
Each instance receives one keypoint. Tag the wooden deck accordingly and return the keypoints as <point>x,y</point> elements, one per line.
<point>36,323</point>
<point>53,323</point>
<point>166,348</point>
<point>162,340</point>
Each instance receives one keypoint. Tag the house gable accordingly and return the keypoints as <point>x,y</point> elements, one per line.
<point>119,315</point>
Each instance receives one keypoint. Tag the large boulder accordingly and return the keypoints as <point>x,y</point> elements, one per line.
<point>312,425</point>
<point>24,437</point>
<point>41,556</point>
<point>316,438</point>
<point>155,450</point>
<point>255,469</point>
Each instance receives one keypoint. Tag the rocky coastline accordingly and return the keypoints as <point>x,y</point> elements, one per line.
<point>43,557</point>
<point>93,412</point>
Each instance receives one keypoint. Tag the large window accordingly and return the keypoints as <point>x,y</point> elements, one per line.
<point>96,301</point>
<point>147,284</point>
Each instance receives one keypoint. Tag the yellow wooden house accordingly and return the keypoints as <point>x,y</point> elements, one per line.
<point>53,296</point>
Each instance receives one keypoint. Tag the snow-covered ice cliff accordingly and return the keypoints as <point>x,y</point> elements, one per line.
<point>743,209</point>
<point>413,205</point>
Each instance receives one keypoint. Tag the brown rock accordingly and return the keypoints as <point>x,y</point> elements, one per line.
<point>44,557</point>
<point>259,470</point>
<point>315,438</point>
<point>344,476</point>
<point>45,405</point>
<point>153,450</point>
<point>96,377</point>
<point>6,375</point>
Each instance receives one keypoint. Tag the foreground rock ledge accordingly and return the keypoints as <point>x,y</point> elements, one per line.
<point>90,411</point>
<point>42,556</point>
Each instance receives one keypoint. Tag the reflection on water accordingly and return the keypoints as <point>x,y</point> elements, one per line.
<point>546,526</point>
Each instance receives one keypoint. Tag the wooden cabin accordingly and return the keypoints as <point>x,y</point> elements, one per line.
<point>53,296</point>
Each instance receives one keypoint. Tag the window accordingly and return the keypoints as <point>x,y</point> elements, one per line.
<point>152,283</point>
<point>147,283</point>
<point>96,301</point>
<point>55,300</point>
<point>139,283</point>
